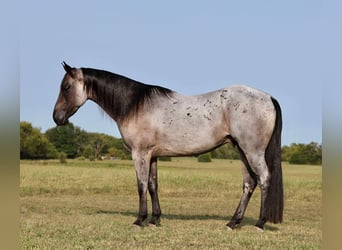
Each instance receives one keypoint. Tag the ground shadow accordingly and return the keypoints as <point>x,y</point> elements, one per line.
<point>247,221</point>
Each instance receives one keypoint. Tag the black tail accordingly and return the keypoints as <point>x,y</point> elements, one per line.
<point>275,197</point>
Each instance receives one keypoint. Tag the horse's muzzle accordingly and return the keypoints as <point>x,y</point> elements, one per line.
<point>60,117</point>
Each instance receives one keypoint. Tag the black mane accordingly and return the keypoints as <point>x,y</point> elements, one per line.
<point>118,95</point>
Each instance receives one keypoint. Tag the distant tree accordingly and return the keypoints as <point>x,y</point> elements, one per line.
<point>204,157</point>
<point>286,152</point>
<point>87,151</point>
<point>97,141</point>
<point>114,152</point>
<point>307,154</point>
<point>81,141</point>
<point>76,142</point>
<point>66,139</point>
<point>117,144</point>
<point>33,144</point>
<point>227,151</point>
<point>303,153</point>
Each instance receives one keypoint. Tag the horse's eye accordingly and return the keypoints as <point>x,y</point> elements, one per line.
<point>66,87</point>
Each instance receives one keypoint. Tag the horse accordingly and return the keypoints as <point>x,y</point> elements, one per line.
<point>155,121</point>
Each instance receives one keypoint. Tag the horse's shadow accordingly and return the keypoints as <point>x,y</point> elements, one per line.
<point>247,221</point>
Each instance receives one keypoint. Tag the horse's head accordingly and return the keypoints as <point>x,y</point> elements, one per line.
<point>72,95</point>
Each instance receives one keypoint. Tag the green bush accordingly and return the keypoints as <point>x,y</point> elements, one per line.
<point>34,144</point>
<point>62,157</point>
<point>303,153</point>
<point>204,158</point>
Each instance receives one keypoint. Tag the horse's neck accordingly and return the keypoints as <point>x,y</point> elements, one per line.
<point>118,96</point>
<point>106,91</point>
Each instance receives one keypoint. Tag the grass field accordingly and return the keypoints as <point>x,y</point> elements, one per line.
<point>92,205</point>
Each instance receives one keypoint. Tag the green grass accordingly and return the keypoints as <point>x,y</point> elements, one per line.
<point>92,205</point>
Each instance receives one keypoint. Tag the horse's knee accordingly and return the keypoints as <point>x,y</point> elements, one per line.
<point>142,187</point>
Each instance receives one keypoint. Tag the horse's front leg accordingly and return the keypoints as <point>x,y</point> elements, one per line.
<point>153,190</point>
<point>142,168</point>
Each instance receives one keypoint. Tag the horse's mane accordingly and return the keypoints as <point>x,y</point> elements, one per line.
<point>120,96</point>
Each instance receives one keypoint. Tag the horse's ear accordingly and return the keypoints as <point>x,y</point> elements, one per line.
<point>68,69</point>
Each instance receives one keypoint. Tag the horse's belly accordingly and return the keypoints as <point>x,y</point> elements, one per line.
<point>190,141</point>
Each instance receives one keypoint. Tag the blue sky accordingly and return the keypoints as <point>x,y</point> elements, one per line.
<point>191,47</point>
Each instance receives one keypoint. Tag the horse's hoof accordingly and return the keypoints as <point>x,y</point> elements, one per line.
<point>231,225</point>
<point>155,222</point>
<point>138,223</point>
<point>259,229</point>
<point>229,228</point>
<point>151,225</point>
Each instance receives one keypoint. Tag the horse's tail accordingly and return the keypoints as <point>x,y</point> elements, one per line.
<point>275,197</point>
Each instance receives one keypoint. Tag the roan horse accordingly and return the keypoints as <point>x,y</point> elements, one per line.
<point>155,121</point>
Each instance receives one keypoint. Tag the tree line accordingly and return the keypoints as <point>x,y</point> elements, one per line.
<point>70,140</point>
<point>75,142</point>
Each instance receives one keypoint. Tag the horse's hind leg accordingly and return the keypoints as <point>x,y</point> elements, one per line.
<point>258,164</point>
<point>153,190</point>
<point>249,184</point>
